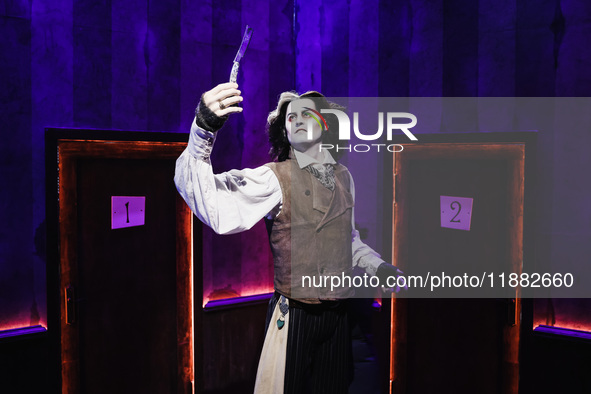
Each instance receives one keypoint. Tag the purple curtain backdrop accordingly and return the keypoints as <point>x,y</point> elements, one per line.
<point>142,65</point>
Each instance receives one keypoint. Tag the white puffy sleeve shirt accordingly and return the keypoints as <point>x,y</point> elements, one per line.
<point>234,201</point>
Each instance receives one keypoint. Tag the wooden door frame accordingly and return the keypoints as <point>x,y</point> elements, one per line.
<point>519,150</point>
<point>63,148</point>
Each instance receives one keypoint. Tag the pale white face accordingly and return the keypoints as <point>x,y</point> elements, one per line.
<point>303,131</point>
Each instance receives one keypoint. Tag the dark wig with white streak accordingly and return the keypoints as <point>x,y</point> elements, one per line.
<point>280,146</point>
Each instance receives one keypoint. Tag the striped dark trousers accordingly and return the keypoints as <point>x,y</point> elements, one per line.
<point>319,355</point>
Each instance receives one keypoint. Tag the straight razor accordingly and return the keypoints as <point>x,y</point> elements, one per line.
<point>240,53</point>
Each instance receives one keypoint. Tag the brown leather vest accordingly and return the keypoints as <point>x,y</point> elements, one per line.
<point>311,236</point>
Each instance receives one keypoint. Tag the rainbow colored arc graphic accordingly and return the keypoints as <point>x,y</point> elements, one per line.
<point>316,118</point>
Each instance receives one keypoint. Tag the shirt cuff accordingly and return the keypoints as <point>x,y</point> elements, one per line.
<point>200,142</point>
<point>370,262</point>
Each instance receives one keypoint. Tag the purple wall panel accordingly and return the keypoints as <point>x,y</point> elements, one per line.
<point>16,196</point>
<point>92,13</point>
<point>52,103</point>
<point>92,77</point>
<point>92,64</point>
<point>426,49</point>
<point>281,50</point>
<point>16,9</point>
<point>195,56</point>
<point>363,49</point>
<point>572,77</point>
<point>129,78</point>
<point>334,39</point>
<point>496,48</point>
<point>394,48</point>
<point>308,48</point>
<point>460,48</point>
<point>460,60</point>
<point>534,74</point>
<point>162,53</point>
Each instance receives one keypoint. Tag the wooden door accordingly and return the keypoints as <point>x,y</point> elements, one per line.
<point>126,304</point>
<point>457,345</point>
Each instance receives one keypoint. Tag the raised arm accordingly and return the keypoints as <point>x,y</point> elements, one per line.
<point>232,201</point>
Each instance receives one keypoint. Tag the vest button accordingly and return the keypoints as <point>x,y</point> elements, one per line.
<point>307,193</point>
<point>322,270</point>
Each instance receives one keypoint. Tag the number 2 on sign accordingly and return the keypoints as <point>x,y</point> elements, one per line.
<point>456,212</point>
<point>453,209</point>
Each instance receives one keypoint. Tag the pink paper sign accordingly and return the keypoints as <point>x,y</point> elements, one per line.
<point>127,211</point>
<point>456,212</point>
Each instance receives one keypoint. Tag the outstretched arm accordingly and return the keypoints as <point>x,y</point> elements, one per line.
<point>367,258</point>
<point>363,256</point>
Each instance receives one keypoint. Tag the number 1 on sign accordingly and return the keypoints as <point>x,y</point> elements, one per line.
<point>127,211</point>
